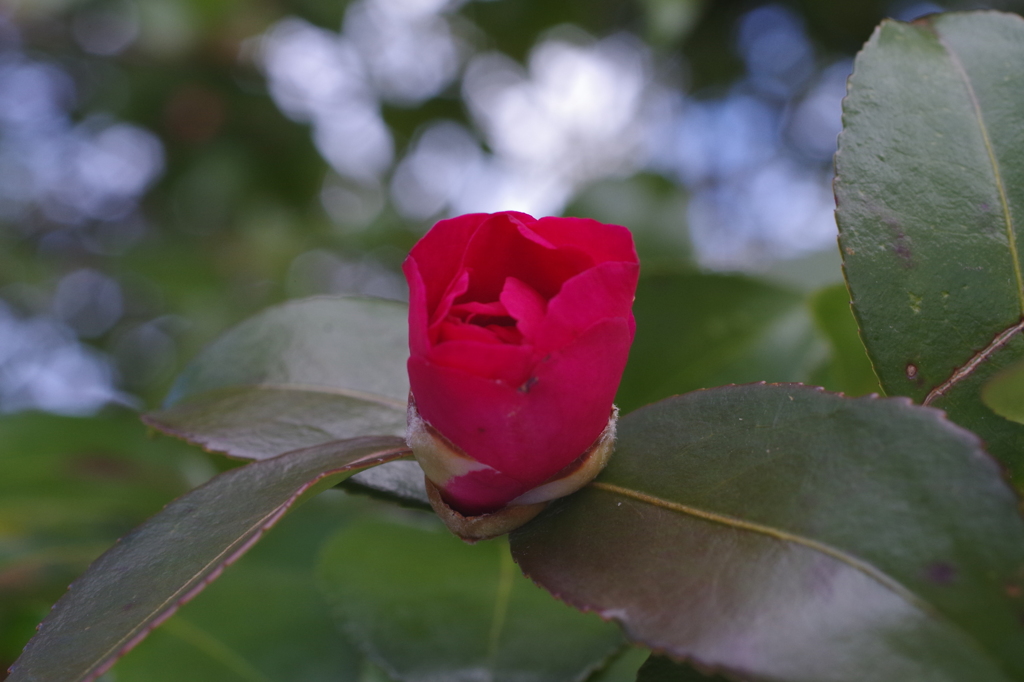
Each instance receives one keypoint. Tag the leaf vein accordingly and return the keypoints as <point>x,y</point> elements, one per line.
<point>785,536</point>
<point>172,603</point>
<point>776,533</point>
<point>231,553</point>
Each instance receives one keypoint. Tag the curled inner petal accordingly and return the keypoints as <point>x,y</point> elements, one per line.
<point>524,304</point>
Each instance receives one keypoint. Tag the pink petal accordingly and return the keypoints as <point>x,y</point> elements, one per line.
<point>440,253</point>
<point>480,492</point>
<point>600,293</point>
<point>449,331</point>
<point>531,431</point>
<point>456,288</point>
<point>495,361</point>
<point>601,241</point>
<point>496,309</point>
<point>524,304</point>
<point>499,250</point>
<point>419,341</point>
<point>509,335</point>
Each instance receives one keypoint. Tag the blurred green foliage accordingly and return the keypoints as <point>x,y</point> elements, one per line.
<point>224,227</point>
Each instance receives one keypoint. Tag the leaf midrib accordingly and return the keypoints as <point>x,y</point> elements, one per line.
<point>784,536</point>
<point>223,558</point>
<point>169,605</point>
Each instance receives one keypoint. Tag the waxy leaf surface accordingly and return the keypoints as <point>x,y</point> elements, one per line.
<point>264,620</point>
<point>930,192</point>
<point>69,486</point>
<point>425,606</point>
<point>165,562</point>
<point>297,375</point>
<point>785,533</point>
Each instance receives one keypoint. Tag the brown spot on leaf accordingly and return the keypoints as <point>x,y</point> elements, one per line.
<point>900,241</point>
<point>911,371</point>
<point>902,248</point>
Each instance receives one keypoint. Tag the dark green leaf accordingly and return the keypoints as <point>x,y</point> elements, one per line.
<point>791,534</point>
<point>697,331</point>
<point>165,562</point>
<point>69,487</point>
<point>1004,394</point>
<point>930,190</point>
<point>297,375</point>
<point>264,619</point>
<point>425,606</point>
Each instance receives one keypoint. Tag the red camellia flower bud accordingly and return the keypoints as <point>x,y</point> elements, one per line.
<point>519,330</point>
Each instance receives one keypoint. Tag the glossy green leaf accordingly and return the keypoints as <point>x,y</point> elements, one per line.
<point>1004,393</point>
<point>425,606</point>
<point>790,534</point>
<point>162,564</point>
<point>297,375</point>
<point>848,369</point>
<point>930,191</point>
<point>661,669</point>
<point>69,486</point>
<point>697,331</point>
<point>264,619</point>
